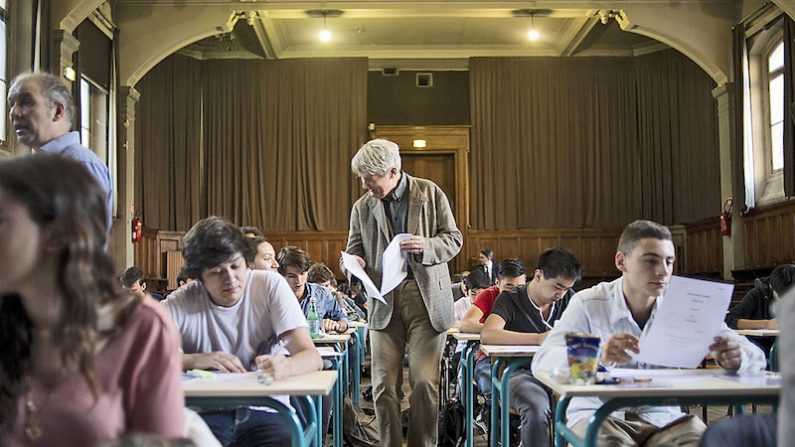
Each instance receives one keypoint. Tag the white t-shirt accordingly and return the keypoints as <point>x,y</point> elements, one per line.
<point>266,310</point>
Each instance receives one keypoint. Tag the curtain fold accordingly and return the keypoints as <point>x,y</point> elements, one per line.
<point>168,145</point>
<point>591,142</point>
<point>279,137</point>
<point>789,106</point>
<point>265,143</point>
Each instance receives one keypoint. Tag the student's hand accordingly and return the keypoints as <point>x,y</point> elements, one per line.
<point>414,244</point>
<point>772,324</point>
<point>331,326</point>
<point>221,361</point>
<point>727,353</point>
<point>614,351</point>
<point>275,366</point>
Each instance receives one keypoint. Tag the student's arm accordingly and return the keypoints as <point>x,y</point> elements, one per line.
<point>221,361</point>
<point>471,322</point>
<point>494,333</point>
<point>734,352</point>
<point>743,314</point>
<point>303,359</point>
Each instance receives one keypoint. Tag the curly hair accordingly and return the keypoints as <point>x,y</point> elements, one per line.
<point>72,206</point>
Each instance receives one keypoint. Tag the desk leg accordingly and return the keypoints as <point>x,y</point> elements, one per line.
<point>560,421</point>
<point>505,397</point>
<point>357,366</point>
<point>495,398</point>
<point>337,401</point>
<point>467,392</point>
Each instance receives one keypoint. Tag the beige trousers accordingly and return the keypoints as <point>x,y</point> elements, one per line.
<point>683,432</point>
<point>409,330</point>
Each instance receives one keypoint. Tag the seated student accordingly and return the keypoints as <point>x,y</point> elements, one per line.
<point>230,319</point>
<point>524,316</point>
<point>183,279</point>
<point>81,361</point>
<point>618,312</point>
<point>474,283</point>
<point>264,255</point>
<point>294,266</point>
<point>320,274</point>
<point>512,275</point>
<point>755,310</point>
<point>459,287</point>
<point>133,280</point>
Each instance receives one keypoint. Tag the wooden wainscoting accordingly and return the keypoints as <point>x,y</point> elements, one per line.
<point>322,246</point>
<point>594,247</point>
<point>703,249</point>
<point>769,236</point>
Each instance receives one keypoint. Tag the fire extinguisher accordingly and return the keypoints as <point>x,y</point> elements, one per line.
<point>726,217</point>
<point>137,229</point>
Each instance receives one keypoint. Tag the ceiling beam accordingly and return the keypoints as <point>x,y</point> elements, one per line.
<point>263,37</point>
<point>576,31</point>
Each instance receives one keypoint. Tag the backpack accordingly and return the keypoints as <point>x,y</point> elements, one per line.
<point>451,424</point>
<point>359,430</point>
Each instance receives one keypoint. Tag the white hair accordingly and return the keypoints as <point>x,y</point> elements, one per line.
<point>376,158</point>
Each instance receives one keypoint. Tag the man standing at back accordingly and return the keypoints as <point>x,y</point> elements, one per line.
<point>41,112</point>
<point>419,309</point>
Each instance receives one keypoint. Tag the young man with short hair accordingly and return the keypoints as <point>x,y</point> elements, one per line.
<point>233,319</point>
<point>294,266</point>
<point>524,316</point>
<point>618,312</point>
<point>133,279</point>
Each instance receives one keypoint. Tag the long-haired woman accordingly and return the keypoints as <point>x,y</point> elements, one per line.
<point>81,360</point>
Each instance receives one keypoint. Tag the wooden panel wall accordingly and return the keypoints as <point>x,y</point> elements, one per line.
<point>699,249</point>
<point>594,247</point>
<point>769,236</point>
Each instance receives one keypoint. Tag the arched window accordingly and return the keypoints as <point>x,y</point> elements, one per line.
<point>775,100</point>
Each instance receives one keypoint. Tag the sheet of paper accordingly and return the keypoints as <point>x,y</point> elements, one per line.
<point>685,323</point>
<point>353,266</point>
<point>395,264</point>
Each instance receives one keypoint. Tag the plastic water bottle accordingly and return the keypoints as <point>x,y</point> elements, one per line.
<point>313,319</point>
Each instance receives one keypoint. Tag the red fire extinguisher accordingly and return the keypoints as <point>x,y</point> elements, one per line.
<point>137,229</point>
<point>726,217</point>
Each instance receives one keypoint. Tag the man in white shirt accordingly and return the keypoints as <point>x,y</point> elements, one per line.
<point>618,312</point>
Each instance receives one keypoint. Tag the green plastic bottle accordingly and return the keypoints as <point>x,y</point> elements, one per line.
<point>313,319</point>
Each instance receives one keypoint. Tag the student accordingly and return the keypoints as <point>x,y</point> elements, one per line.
<point>755,310</point>
<point>231,320</point>
<point>133,280</point>
<point>264,255</point>
<point>524,316</point>
<point>294,266</point>
<point>82,361</point>
<point>320,274</point>
<point>512,275</point>
<point>618,312</point>
<point>474,283</point>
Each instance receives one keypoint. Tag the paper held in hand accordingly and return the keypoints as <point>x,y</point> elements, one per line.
<point>688,318</point>
<point>394,268</point>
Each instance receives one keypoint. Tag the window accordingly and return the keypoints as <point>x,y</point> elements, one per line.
<point>94,117</point>
<point>775,76</point>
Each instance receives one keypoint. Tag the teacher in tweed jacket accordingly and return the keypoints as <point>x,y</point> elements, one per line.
<point>420,309</point>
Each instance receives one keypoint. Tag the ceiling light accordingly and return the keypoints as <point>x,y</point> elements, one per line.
<point>533,34</point>
<point>325,35</point>
<point>419,143</point>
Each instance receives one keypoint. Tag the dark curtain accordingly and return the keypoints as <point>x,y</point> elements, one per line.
<point>789,107</point>
<point>677,139</point>
<point>168,155</point>
<point>591,142</point>
<point>264,143</point>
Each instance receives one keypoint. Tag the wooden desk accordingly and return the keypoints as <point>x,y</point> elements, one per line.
<point>232,390</point>
<point>668,387</point>
<point>467,377</point>
<point>512,357</point>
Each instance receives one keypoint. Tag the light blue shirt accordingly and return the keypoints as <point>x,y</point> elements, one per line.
<point>602,310</point>
<point>69,145</point>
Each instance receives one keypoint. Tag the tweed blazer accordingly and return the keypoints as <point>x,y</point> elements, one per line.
<point>429,216</point>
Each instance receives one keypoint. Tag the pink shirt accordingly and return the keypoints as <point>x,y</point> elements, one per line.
<point>139,389</point>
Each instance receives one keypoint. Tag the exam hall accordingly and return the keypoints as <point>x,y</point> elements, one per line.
<point>541,125</point>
